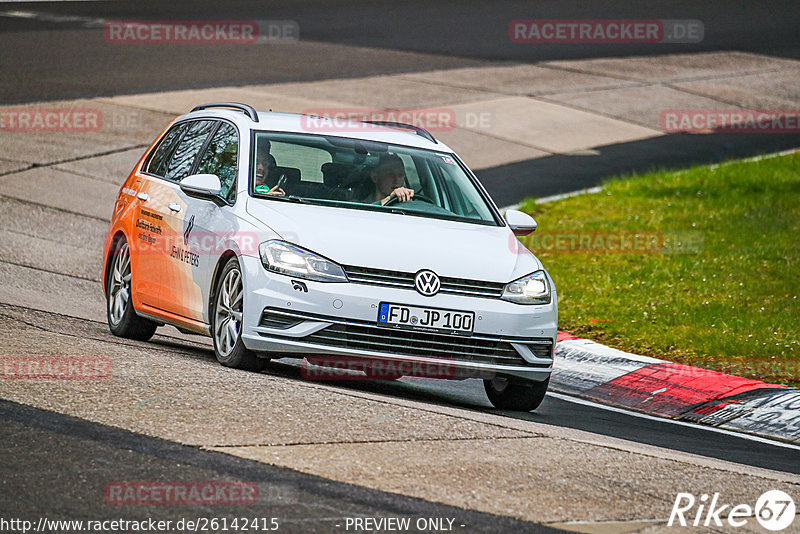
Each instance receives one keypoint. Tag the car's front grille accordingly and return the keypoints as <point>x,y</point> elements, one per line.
<point>367,336</point>
<point>458,286</point>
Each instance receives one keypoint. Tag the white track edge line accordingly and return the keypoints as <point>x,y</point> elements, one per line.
<point>751,437</point>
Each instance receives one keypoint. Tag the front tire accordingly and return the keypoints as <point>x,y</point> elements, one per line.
<point>506,393</point>
<point>122,318</point>
<point>227,321</point>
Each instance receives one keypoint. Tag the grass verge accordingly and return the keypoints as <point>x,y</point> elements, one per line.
<point>700,267</point>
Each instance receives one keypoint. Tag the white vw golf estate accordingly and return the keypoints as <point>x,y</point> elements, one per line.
<point>285,235</point>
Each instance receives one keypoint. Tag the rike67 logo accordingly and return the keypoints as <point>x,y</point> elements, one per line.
<point>774,510</point>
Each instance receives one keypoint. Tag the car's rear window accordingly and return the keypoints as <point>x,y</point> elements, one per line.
<point>158,162</point>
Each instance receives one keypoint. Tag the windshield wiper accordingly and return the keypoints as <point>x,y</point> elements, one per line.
<point>285,198</point>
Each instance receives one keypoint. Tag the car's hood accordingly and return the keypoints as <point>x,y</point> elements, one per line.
<point>399,242</point>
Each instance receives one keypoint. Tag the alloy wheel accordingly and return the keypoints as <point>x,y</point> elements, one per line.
<point>228,311</point>
<point>120,290</point>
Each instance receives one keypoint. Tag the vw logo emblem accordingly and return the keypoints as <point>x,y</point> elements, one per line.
<point>427,282</point>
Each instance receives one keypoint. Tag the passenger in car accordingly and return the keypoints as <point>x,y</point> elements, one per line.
<point>265,163</point>
<point>388,181</point>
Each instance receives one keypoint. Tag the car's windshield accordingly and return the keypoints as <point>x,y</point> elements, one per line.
<point>360,174</point>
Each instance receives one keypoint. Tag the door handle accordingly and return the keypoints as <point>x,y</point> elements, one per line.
<point>175,207</point>
<point>144,197</point>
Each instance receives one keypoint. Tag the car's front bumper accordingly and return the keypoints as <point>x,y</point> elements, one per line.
<point>341,319</point>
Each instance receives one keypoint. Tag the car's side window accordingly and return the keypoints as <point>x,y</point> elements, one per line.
<point>158,162</point>
<point>221,158</point>
<point>180,165</point>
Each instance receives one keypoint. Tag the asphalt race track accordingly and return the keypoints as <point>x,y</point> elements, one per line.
<point>360,37</point>
<point>322,452</point>
<point>64,44</point>
<point>303,503</point>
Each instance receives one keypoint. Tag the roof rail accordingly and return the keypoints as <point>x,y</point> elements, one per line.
<point>419,131</point>
<point>244,108</point>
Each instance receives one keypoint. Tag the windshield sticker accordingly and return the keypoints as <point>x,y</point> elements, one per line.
<point>447,159</point>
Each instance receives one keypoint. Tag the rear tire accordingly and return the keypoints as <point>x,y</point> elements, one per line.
<point>507,393</point>
<point>227,321</point>
<point>122,318</point>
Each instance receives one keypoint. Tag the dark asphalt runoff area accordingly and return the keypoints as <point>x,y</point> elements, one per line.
<point>73,59</point>
<point>564,173</point>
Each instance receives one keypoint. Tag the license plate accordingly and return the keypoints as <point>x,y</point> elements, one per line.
<point>426,319</point>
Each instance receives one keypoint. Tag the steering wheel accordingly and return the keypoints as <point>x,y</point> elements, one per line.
<point>417,196</point>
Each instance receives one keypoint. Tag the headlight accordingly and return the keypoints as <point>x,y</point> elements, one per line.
<point>531,289</point>
<point>291,260</point>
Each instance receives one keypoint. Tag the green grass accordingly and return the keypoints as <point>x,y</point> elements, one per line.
<point>722,292</point>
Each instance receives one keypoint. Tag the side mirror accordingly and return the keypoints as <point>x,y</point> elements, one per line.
<point>520,223</point>
<point>205,186</point>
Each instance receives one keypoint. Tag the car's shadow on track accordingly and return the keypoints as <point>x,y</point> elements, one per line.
<point>555,411</point>
<point>467,394</point>
<point>183,345</point>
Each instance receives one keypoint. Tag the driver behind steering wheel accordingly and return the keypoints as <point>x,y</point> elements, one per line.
<point>389,179</point>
